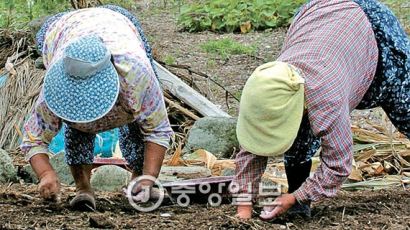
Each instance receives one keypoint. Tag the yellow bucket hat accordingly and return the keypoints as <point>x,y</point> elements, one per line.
<point>271,109</point>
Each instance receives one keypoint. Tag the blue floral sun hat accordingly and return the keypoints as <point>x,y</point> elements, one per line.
<point>83,86</point>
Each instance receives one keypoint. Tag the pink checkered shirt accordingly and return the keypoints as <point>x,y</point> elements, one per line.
<point>333,44</point>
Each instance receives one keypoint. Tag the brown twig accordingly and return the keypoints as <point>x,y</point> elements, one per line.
<point>181,109</point>
<point>191,71</point>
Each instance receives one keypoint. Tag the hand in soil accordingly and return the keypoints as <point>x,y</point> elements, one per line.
<point>49,186</point>
<point>144,192</point>
<point>279,206</point>
<point>142,196</point>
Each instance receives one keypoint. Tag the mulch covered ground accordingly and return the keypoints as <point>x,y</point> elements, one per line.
<point>22,208</point>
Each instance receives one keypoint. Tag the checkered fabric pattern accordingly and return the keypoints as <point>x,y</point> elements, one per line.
<point>333,44</point>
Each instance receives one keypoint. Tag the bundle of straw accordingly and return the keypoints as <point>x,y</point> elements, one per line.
<point>18,96</point>
<point>10,41</point>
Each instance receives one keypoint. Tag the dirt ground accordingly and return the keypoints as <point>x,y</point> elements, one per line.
<point>22,208</point>
<point>168,42</point>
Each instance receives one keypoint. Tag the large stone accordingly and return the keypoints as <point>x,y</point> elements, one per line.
<point>8,172</point>
<point>163,178</point>
<point>214,134</point>
<point>36,24</point>
<point>62,169</point>
<point>110,178</point>
<point>59,165</point>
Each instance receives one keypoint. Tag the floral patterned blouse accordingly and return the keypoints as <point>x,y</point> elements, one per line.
<point>140,100</point>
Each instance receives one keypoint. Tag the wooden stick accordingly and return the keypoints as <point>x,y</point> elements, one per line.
<point>18,131</point>
<point>182,109</point>
<point>185,93</point>
<point>16,56</point>
<point>190,70</point>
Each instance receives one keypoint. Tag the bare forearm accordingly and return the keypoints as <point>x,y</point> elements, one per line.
<point>49,185</point>
<point>153,158</point>
<point>41,165</point>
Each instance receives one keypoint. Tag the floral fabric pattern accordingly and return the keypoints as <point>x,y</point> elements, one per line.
<point>140,100</point>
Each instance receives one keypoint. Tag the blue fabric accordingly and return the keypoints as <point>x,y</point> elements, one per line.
<point>104,146</point>
<point>304,147</point>
<point>78,98</point>
<point>3,80</point>
<point>390,88</point>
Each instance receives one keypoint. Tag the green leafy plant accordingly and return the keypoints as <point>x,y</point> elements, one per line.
<point>227,47</point>
<point>18,13</point>
<point>234,15</point>
<point>169,60</point>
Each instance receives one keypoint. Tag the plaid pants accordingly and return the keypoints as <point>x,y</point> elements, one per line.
<point>79,146</point>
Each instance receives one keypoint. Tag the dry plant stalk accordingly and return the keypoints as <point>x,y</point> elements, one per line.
<point>379,153</point>
<point>80,4</point>
<point>18,97</point>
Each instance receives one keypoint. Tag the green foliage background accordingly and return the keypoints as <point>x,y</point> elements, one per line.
<point>230,15</point>
<point>401,9</point>
<point>226,47</point>
<point>197,15</point>
<point>18,13</point>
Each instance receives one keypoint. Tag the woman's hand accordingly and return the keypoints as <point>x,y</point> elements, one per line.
<point>278,207</point>
<point>153,158</point>
<point>244,212</point>
<point>49,186</point>
<point>142,191</point>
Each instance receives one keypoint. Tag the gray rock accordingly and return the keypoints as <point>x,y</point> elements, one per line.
<point>62,169</point>
<point>39,63</point>
<point>8,172</point>
<point>228,172</point>
<point>163,178</point>
<point>110,178</point>
<point>36,24</point>
<point>214,134</point>
<point>59,165</point>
